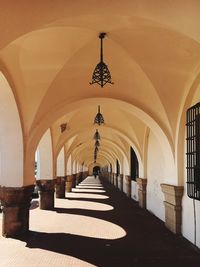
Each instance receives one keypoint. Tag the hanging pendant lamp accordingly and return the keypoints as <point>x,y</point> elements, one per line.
<point>96,149</point>
<point>97,135</point>
<point>97,143</point>
<point>101,74</point>
<point>99,117</point>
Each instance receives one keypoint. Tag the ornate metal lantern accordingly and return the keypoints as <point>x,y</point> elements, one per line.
<point>101,74</point>
<point>63,127</point>
<point>96,149</point>
<point>97,135</point>
<point>99,117</point>
<point>97,143</point>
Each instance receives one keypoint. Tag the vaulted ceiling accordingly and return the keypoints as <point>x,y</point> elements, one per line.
<point>48,51</point>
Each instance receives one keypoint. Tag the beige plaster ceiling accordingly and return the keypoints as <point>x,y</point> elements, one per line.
<point>48,50</point>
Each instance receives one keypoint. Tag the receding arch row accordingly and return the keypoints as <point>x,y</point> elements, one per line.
<point>108,145</point>
<point>32,144</point>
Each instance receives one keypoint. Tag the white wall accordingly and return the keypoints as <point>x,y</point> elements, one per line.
<point>11,138</point>
<point>60,166</point>
<point>134,190</point>
<point>188,219</point>
<point>45,158</point>
<point>69,165</point>
<point>188,214</point>
<point>156,171</point>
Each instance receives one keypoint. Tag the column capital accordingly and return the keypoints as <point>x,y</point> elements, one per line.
<point>141,181</point>
<point>173,194</point>
<point>16,203</point>
<point>46,185</point>
<point>14,196</point>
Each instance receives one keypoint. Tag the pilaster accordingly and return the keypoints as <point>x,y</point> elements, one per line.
<point>142,184</point>
<point>173,206</point>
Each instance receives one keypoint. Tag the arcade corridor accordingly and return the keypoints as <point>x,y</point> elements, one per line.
<point>109,88</point>
<point>96,225</point>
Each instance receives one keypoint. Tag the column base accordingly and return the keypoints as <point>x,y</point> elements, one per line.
<point>173,207</point>
<point>60,187</point>
<point>142,184</point>
<point>16,203</point>
<point>46,188</point>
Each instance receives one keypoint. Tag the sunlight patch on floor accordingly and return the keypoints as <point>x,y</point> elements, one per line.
<point>84,205</point>
<point>85,195</point>
<point>14,253</point>
<point>88,190</point>
<point>89,187</point>
<point>53,222</point>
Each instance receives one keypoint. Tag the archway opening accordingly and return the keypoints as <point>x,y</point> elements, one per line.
<point>96,170</point>
<point>134,171</point>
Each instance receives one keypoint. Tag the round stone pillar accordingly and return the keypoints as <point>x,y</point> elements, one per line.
<point>46,189</point>
<point>60,187</point>
<point>16,203</point>
<point>74,180</point>
<point>69,183</point>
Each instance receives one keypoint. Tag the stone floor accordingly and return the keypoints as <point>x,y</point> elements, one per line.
<point>96,225</point>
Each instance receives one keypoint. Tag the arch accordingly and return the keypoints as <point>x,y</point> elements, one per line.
<point>45,157</point>
<point>134,165</point>
<point>60,163</point>
<point>11,138</point>
<point>180,136</point>
<point>163,137</point>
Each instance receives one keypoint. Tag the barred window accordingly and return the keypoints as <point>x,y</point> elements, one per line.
<point>134,165</point>
<point>193,151</point>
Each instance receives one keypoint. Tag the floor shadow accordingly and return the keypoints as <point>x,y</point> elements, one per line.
<point>34,204</point>
<point>147,241</point>
<point>108,253</point>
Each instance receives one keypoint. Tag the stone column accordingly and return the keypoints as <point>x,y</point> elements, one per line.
<point>121,182</point>
<point>128,186</point>
<point>78,178</point>
<point>69,183</point>
<point>16,203</point>
<point>142,184</point>
<point>114,177</point>
<point>60,187</point>
<point>46,189</point>
<point>110,178</point>
<point>74,180</point>
<point>173,207</point>
<point>116,184</point>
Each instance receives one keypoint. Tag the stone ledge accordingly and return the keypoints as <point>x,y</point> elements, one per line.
<point>173,206</point>
<point>173,194</point>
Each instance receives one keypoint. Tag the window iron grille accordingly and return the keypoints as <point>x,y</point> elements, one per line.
<point>134,170</point>
<point>193,151</point>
